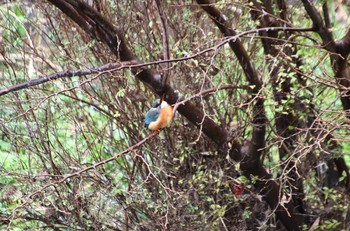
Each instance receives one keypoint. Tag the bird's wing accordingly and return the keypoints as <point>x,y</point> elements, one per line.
<point>152,115</point>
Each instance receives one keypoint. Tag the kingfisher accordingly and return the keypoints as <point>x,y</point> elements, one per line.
<point>159,116</point>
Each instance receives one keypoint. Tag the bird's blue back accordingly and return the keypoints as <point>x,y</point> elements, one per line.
<point>153,113</point>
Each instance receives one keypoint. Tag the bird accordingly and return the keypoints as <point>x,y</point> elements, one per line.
<point>159,116</point>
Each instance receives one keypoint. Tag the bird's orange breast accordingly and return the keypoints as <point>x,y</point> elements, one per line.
<point>164,119</point>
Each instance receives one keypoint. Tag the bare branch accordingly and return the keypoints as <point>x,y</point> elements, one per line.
<point>68,73</point>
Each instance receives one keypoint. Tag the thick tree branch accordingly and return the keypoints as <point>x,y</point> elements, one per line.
<point>319,26</point>
<point>94,24</point>
<point>327,19</point>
